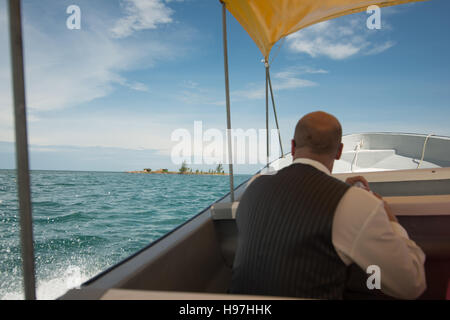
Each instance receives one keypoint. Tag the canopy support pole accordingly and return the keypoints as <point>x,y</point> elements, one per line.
<point>23,173</point>
<point>227,95</point>
<point>266,64</point>
<point>275,113</point>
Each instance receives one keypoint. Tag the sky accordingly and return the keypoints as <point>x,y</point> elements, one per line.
<point>109,96</point>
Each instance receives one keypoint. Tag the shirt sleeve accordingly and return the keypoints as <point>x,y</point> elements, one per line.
<point>370,238</point>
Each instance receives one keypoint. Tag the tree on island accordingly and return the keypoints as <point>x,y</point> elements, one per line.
<point>219,168</point>
<point>184,169</point>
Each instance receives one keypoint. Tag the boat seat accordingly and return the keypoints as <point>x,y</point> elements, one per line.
<point>224,210</point>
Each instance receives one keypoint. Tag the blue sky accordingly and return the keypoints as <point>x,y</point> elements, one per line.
<point>108,96</point>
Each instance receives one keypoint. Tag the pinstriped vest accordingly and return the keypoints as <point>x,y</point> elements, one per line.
<point>285,236</point>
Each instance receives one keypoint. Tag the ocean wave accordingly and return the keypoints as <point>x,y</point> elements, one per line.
<point>53,287</point>
<point>66,245</point>
<point>75,216</point>
<point>45,203</point>
<point>85,228</point>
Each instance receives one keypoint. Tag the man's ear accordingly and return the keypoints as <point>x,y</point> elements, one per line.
<point>292,147</point>
<point>339,153</point>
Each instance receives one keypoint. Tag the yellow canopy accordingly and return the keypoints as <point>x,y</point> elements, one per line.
<point>267,21</point>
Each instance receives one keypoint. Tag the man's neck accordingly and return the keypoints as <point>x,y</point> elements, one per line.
<point>323,159</point>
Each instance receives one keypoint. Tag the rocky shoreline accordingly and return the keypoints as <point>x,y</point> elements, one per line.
<point>184,170</point>
<point>185,173</point>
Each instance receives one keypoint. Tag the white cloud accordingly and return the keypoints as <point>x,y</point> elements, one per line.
<point>289,80</point>
<point>311,70</point>
<point>6,110</point>
<point>6,123</point>
<point>134,85</point>
<point>197,96</point>
<point>66,68</point>
<point>121,130</point>
<point>383,47</point>
<point>90,68</point>
<point>141,15</point>
<point>339,39</point>
<point>194,93</point>
<point>284,80</point>
<point>190,84</point>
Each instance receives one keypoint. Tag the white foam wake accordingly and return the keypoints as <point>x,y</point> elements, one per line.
<point>53,288</point>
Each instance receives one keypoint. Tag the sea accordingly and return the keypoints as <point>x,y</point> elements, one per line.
<point>86,222</point>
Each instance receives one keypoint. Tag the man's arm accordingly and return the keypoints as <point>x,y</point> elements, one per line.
<point>361,182</point>
<point>373,237</point>
<point>385,243</point>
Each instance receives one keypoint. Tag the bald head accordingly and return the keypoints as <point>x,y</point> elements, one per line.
<point>318,132</point>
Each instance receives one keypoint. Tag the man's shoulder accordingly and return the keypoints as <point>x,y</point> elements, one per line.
<point>260,180</point>
<point>359,200</point>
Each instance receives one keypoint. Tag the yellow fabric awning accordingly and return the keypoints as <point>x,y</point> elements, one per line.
<point>267,21</point>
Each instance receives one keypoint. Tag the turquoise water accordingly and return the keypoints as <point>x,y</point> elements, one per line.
<point>85,222</point>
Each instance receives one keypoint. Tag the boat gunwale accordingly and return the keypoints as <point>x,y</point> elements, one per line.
<point>413,134</point>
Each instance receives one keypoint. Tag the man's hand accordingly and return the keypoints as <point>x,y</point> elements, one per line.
<point>353,180</point>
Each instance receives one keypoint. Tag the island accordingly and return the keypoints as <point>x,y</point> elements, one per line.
<point>184,170</point>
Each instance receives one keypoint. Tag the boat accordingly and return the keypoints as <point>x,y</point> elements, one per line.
<point>194,261</point>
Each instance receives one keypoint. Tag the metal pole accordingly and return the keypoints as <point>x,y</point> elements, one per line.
<point>23,175</point>
<point>266,63</point>
<point>227,94</point>
<point>275,113</point>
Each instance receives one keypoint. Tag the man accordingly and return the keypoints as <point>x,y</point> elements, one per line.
<point>301,229</point>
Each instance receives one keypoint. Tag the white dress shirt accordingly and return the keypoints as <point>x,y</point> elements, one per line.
<point>363,234</point>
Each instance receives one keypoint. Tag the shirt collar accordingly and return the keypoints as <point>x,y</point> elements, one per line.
<point>314,163</point>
